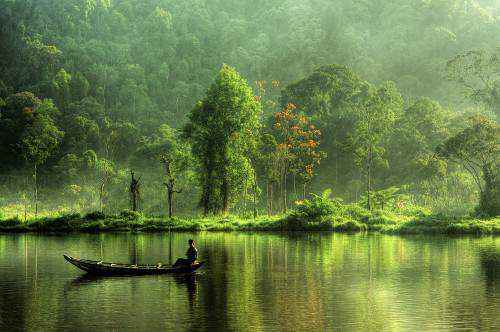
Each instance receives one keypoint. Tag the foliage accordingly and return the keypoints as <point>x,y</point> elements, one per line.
<point>8,223</point>
<point>353,220</point>
<point>298,141</point>
<point>477,149</point>
<point>410,149</point>
<point>386,198</point>
<point>223,128</point>
<point>90,90</point>
<point>131,215</point>
<point>28,131</point>
<point>318,207</point>
<point>95,215</point>
<point>478,74</point>
<point>377,112</point>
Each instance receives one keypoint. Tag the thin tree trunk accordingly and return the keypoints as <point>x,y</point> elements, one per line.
<point>267,198</point>
<point>280,194</point>
<point>271,201</point>
<point>245,195</point>
<point>225,194</point>
<point>25,201</point>
<point>294,187</point>
<point>255,196</point>
<point>208,185</point>
<point>35,175</point>
<point>284,193</point>
<point>368,178</point>
<point>101,196</point>
<point>170,194</point>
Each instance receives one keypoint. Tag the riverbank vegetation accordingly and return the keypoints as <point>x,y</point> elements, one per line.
<point>372,222</point>
<point>244,113</point>
<point>320,213</point>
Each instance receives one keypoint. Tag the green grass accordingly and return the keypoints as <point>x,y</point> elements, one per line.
<point>350,218</point>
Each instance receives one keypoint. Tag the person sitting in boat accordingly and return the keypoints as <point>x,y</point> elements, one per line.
<point>191,255</point>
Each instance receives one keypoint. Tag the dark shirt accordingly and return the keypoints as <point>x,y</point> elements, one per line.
<point>192,253</point>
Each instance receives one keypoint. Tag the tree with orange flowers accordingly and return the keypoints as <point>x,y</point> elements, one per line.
<point>297,147</point>
<point>307,152</point>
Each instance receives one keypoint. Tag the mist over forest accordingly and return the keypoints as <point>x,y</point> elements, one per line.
<point>248,106</point>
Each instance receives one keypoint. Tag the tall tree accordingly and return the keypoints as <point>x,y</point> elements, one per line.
<point>327,97</point>
<point>297,147</point>
<point>477,149</point>
<point>29,135</point>
<point>222,128</point>
<point>377,110</point>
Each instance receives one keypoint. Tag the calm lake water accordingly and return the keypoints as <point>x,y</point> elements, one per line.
<point>252,282</point>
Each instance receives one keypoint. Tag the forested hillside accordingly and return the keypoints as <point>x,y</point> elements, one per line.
<point>247,106</point>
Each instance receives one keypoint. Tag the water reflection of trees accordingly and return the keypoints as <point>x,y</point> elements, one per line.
<point>15,295</point>
<point>489,258</point>
<point>262,281</point>
<point>324,280</point>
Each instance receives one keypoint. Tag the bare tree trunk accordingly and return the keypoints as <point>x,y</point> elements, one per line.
<point>269,191</point>
<point>170,184</point>
<point>170,193</point>
<point>280,194</point>
<point>267,197</point>
<point>225,194</point>
<point>255,195</point>
<point>134,192</point>
<point>294,187</point>
<point>284,192</point>
<point>368,178</point>
<point>25,201</point>
<point>245,194</point>
<point>101,195</point>
<point>35,176</point>
<point>271,201</point>
<point>206,199</point>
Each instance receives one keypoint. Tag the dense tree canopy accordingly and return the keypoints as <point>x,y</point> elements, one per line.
<point>88,88</point>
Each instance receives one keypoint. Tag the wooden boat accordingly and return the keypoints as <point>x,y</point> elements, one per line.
<point>113,269</point>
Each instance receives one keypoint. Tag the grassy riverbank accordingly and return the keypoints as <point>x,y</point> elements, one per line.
<point>352,218</point>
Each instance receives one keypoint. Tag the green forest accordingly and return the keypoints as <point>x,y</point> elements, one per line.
<point>223,114</point>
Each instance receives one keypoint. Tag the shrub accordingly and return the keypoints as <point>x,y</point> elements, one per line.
<point>293,222</point>
<point>95,215</point>
<point>317,207</point>
<point>12,222</point>
<point>130,215</point>
<point>380,218</point>
<point>357,212</point>
<point>156,224</point>
<point>417,211</point>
